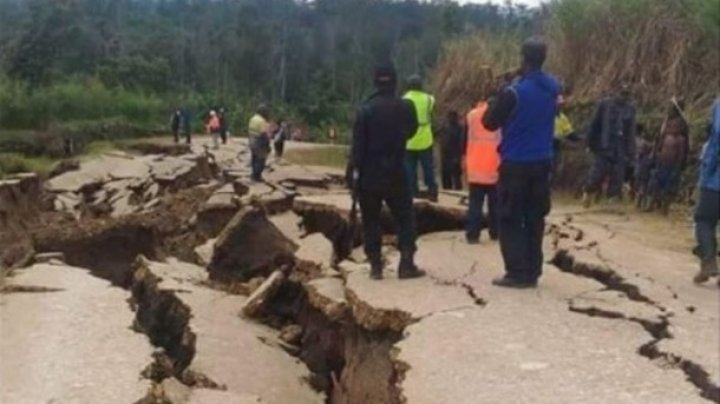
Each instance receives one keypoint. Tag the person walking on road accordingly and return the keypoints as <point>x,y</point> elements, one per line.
<point>482,164</point>
<point>420,146</point>
<point>611,139</point>
<point>224,127</point>
<point>707,212</point>
<point>453,147</point>
<point>259,131</point>
<point>175,122</point>
<point>383,125</point>
<point>186,124</point>
<point>525,111</point>
<point>280,137</point>
<point>213,128</point>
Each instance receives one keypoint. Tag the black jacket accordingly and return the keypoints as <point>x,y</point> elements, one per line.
<point>453,143</point>
<point>612,130</point>
<point>383,125</point>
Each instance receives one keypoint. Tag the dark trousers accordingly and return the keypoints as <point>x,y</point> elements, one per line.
<point>707,215</point>
<point>400,204</point>
<point>524,201</point>
<point>279,148</point>
<point>257,165</point>
<point>475,211</point>
<point>612,169</point>
<point>427,162</point>
<point>188,136</point>
<point>176,135</point>
<point>451,174</point>
<point>224,135</point>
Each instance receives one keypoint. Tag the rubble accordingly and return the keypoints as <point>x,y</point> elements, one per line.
<point>250,245</point>
<point>259,298</point>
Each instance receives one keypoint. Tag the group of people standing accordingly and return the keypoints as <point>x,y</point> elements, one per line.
<point>509,146</point>
<point>512,170</point>
<point>262,132</point>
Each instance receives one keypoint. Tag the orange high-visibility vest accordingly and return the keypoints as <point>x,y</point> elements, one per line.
<point>483,157</point>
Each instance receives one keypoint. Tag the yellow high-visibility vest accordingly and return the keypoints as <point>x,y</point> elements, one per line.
<point>424,104</point>
<point>563,127</point>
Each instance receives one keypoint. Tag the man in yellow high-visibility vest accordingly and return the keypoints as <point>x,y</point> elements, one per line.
<point>420,146</point>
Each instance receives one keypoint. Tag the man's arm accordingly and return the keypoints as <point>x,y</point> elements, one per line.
<point>357,149</point>
<point>411,123</point>
<point>500,110</point>
<point>595,127</point>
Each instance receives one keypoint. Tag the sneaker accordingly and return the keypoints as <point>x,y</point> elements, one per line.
<point>472,240</point>
<point>376,271</point>
<point>506,282</point>
<point>407,268</point>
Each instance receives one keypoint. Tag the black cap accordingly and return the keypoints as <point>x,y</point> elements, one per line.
<point>385,76</point>
<point>534,52</point>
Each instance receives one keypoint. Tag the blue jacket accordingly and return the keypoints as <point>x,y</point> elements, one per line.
<point>709,169</point>
<point>528,134</point>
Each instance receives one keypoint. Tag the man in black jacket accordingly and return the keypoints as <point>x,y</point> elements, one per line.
<point>383,125</point>
<point>611,139</point>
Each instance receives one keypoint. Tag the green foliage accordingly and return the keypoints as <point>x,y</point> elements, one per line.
<point>23,107</point>
<point>13,163</point>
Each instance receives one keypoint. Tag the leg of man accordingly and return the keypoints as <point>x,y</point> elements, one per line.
<point>617,179</point>
<point>188,137</point>
<point>428,166</point>
<point>512,193</point>
<point>537,206</point>
<point>447,173</point>
<point>401,207</point>
<point>474,214</point>
<point>370,206</point>
<point>176,136</point>
<point>411,162</point>
<point>597,175</point>
<point>493,219</point>
<point>706,221</point>
<point>457,176</point>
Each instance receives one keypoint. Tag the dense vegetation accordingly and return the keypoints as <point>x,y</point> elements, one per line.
<point>67,60</point>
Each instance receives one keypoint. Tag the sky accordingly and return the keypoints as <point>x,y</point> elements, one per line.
<point>527,2</point>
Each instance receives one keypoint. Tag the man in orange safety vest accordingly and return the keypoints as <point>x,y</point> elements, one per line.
<point>482,165</point>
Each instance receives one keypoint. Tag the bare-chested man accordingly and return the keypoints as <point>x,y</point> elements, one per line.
<point>671,157</point>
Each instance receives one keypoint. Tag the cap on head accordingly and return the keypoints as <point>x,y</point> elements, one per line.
<point>385,76</point>
<point>414,82</point>
<point>534,52</point>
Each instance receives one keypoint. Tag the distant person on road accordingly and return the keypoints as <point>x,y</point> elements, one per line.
<point>213,128</point>
<point>453,147</point>
<point>259,131</point>
<point>224,128</point>
<point>707,212</point>
<point>611,139</point>
<point>383,125</point>
<point>671,158</point>
<point>420,146</point>
<point>175,123</point>
<point>186,124</point>
<point>482,164</point>
<point>281,135</point>
<point>525,111</point>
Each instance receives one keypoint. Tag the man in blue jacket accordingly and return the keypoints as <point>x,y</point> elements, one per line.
<point>525,111</point>
<point>707,212</point>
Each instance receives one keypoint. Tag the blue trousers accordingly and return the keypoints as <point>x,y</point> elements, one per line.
<point>426,160</point>
<point>707,215</point>
<point>475,211</point>
<point>257,165</point>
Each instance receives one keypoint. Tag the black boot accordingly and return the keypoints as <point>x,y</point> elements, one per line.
<point>376,270</point>
<point>407,268</point>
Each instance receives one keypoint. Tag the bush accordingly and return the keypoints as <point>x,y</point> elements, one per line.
<point>13,163</point>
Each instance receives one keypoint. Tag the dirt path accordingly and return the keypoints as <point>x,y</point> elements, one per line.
<point>616,318</point>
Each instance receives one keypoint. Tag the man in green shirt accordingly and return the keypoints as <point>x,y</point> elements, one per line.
<point>259,129</point>
<point>420,146</point>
